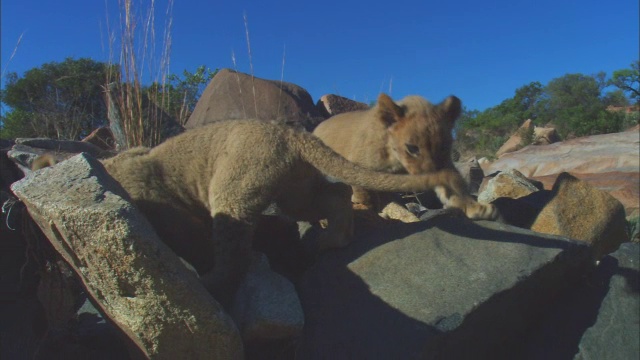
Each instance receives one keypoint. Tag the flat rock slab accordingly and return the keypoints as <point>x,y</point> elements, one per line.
<point>599,319</point>
<point>616,332</point>
<point>447,287</point>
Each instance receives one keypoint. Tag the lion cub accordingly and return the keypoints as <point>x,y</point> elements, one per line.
<point>412,136</point>
<point>203,190</point>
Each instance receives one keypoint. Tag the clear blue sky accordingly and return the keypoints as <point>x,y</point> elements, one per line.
<point>480,51</point>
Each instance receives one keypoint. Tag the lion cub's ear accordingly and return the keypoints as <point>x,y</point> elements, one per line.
<point>451,108</point>
<point>388,111</point>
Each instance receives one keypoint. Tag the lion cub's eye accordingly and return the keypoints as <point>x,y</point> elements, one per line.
<point>412,150</point>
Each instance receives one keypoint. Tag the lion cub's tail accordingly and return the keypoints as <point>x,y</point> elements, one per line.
<point>314,151</point>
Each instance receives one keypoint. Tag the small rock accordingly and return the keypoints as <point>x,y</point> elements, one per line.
<point>511,184</point>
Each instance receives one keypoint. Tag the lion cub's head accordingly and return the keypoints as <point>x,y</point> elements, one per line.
<point>419,132</point>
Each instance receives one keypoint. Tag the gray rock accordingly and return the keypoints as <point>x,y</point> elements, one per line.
<point>26,150</point>
<point>135,279</point>
<point>510,183</point>
<point>598,319</point>
<point>266,305</point>
<point>67,146</point>
<point>445,288</point>
<point>616,332</point>
<point>472,173</point>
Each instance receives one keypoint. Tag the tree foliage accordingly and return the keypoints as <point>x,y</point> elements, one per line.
<point>576,104</point>
<point>184,92</point>
<point>628,80</point>
<point>66,100</point>
<point>57,100</point>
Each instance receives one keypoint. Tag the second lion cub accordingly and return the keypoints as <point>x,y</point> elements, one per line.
<point>412,136</point>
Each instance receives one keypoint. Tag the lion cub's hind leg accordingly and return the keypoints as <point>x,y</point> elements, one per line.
<point>232,256</point>
<point>235,208</point>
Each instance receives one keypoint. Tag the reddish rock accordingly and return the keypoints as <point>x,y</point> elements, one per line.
<point>579,211</point>
<point>608,162</point>
<point>539,136</point>
<point>545,135</point>
<point>515,142</point>
<point>618,184</point>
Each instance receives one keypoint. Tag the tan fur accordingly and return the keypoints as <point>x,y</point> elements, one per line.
<point>213,182</point>
<point>43,161</point>
<point>412,136</point>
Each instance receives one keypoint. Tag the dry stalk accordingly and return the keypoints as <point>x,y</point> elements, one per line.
<point>15,50</point>
<point>140,108</point>
<point>235,67</point>
<point>284,52</point>
<point>253,84</point>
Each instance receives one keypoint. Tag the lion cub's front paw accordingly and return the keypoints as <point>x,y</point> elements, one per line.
<point>477,211</point>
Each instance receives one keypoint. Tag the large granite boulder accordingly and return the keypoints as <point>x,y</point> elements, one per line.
<point>136,281</point>
<point>234,95</point>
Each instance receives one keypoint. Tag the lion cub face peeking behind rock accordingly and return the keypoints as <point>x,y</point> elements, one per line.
<point>411,136</point>
<point>204,190</point>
